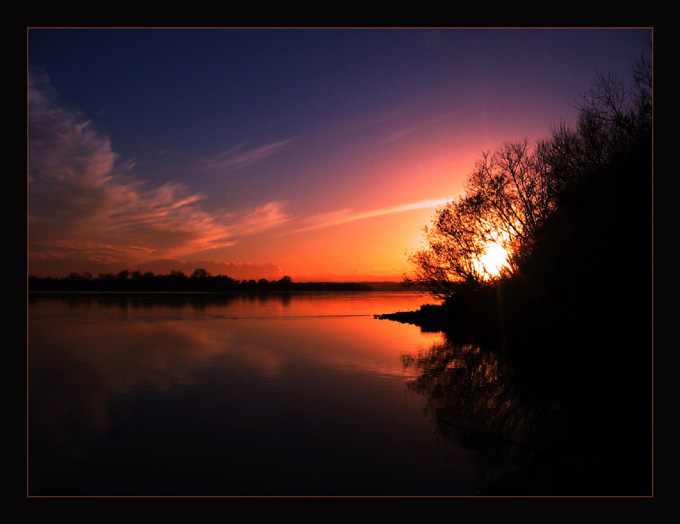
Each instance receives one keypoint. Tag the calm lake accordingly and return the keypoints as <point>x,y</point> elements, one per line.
<point>307,394</point>
<point>233,395</point>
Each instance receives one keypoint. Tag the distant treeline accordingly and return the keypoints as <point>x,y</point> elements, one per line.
<point>177,281</point>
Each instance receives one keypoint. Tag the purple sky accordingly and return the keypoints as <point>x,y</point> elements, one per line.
<point>314,153</point>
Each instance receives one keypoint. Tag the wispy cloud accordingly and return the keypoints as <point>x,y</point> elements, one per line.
<point>410,130</point>
<point>403,133</point>
<point>84,202</point>
<point>242,156</point>
<point>345,216</point>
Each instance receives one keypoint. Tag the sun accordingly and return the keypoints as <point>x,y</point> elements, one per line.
<point>494,260</point>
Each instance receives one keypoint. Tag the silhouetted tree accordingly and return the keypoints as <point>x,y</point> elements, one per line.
<point>523,197</point>
<point>508,197</point>
<point>200,281</point>
<point>285,282</point>
<point>200,273</point>
<point>614,116</point>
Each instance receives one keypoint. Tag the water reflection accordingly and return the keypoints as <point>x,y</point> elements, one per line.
<point>302,303</point>
<point>308,394</point>
<point>195,301</point>
<point>540,426</point>
<point>229,395</point>
<point>473,398</point>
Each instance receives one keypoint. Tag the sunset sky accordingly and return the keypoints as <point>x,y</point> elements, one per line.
<point>257,153</point>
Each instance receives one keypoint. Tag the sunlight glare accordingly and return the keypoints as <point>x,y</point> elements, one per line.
<point>494,260</point>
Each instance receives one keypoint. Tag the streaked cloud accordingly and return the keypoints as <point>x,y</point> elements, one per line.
<point>243,156</point>
<point>404,133</point>
<point>415,128</point>
<point>345,216</point>
<point>85,202</point>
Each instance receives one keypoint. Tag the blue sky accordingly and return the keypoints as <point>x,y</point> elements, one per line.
<point>316,153</point>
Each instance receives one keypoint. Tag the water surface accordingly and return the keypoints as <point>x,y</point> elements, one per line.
<point>230,395</point>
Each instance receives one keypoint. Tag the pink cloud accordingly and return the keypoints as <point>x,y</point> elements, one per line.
<point>86,204</point>
<point>345,216</point>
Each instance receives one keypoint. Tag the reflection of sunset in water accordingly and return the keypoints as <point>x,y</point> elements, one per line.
<point>241,388</point>
<point>155,347</point>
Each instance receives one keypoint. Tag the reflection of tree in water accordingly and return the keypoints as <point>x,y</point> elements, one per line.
<point>474,399</point>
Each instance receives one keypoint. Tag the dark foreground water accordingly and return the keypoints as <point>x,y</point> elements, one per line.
<point>297,394</point>
<point>307,394</point>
